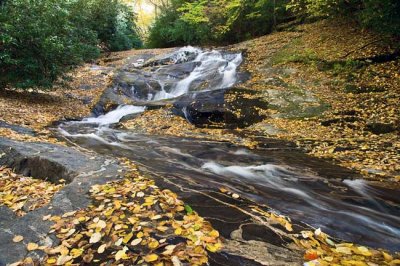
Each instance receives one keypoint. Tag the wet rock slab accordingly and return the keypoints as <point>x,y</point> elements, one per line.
<point>227,108</point>
<point>249,239</point>
<point>154,82</point>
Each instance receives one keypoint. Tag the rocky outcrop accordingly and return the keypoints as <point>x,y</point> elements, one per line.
<point>226,108</point>
<point>51,162</point>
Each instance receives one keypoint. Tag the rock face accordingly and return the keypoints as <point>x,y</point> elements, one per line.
<point>228,108</point>
<point>52,162</point>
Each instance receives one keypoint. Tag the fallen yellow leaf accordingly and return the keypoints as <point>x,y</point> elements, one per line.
<point>95,238</point>
<point>18,238</point>
<point>76,252</point>
<point>151,257</point>
<point>101,249</point>
<point>32,246</point>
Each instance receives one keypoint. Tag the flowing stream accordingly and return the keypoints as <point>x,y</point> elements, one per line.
<point>293,184</point>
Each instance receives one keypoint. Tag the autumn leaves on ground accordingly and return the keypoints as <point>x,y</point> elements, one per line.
<point>335,61</point>
<point>133,221</point>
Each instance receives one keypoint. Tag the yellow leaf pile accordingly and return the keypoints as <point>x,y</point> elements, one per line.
<point>23,194</point>
<point>132,221</point>
<point>163,122</point>
<point>321,250</point>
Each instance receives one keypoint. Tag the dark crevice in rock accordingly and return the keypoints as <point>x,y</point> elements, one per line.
<point>225,258</point>
<point>263,233</point>
<point>41,168</point>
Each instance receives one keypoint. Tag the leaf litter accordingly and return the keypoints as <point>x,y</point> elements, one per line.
<point>130,222</point>
<point>24,194</point>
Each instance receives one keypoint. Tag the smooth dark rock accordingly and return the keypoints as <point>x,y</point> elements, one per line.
<point>214,108</point>
<point>263,233</point>
<point>224,258</point>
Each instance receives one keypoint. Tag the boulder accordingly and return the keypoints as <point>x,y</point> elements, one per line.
<point>215,108</point>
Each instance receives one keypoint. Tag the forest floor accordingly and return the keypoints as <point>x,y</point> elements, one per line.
<point>339,64</point>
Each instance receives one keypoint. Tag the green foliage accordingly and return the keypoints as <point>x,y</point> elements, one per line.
<point>214,21</point>
<point>114,24</point>
<point>42,39</point>
<point>346,67</point>
<point>381,15</point>
<point>177,28</point>
<point>292,54</point>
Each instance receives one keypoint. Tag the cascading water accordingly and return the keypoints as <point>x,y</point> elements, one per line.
<point>210,62</point>
<point>349,209</point>
<point>114,116</point>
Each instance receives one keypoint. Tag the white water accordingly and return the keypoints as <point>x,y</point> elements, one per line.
<point>182,54</point>
<point>272,175</point>
<point>361,187</point>
<point>229,72</point>
<point>115,116</point>
<point>283,179</point>
<point>208,61</point>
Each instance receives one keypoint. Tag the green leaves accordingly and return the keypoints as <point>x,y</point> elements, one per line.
<point>383,16</point>
<point>188,209</point>
<point>194,13</point>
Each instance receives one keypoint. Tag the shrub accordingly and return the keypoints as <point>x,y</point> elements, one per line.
<point>42,39</point>
<point>114,24</point>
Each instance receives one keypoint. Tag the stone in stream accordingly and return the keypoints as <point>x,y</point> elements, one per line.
<point>227,108</point>
<point>175,57</point>
<point>137,87</point>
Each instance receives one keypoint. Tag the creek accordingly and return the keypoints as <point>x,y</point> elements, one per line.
<point>306,189</point>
